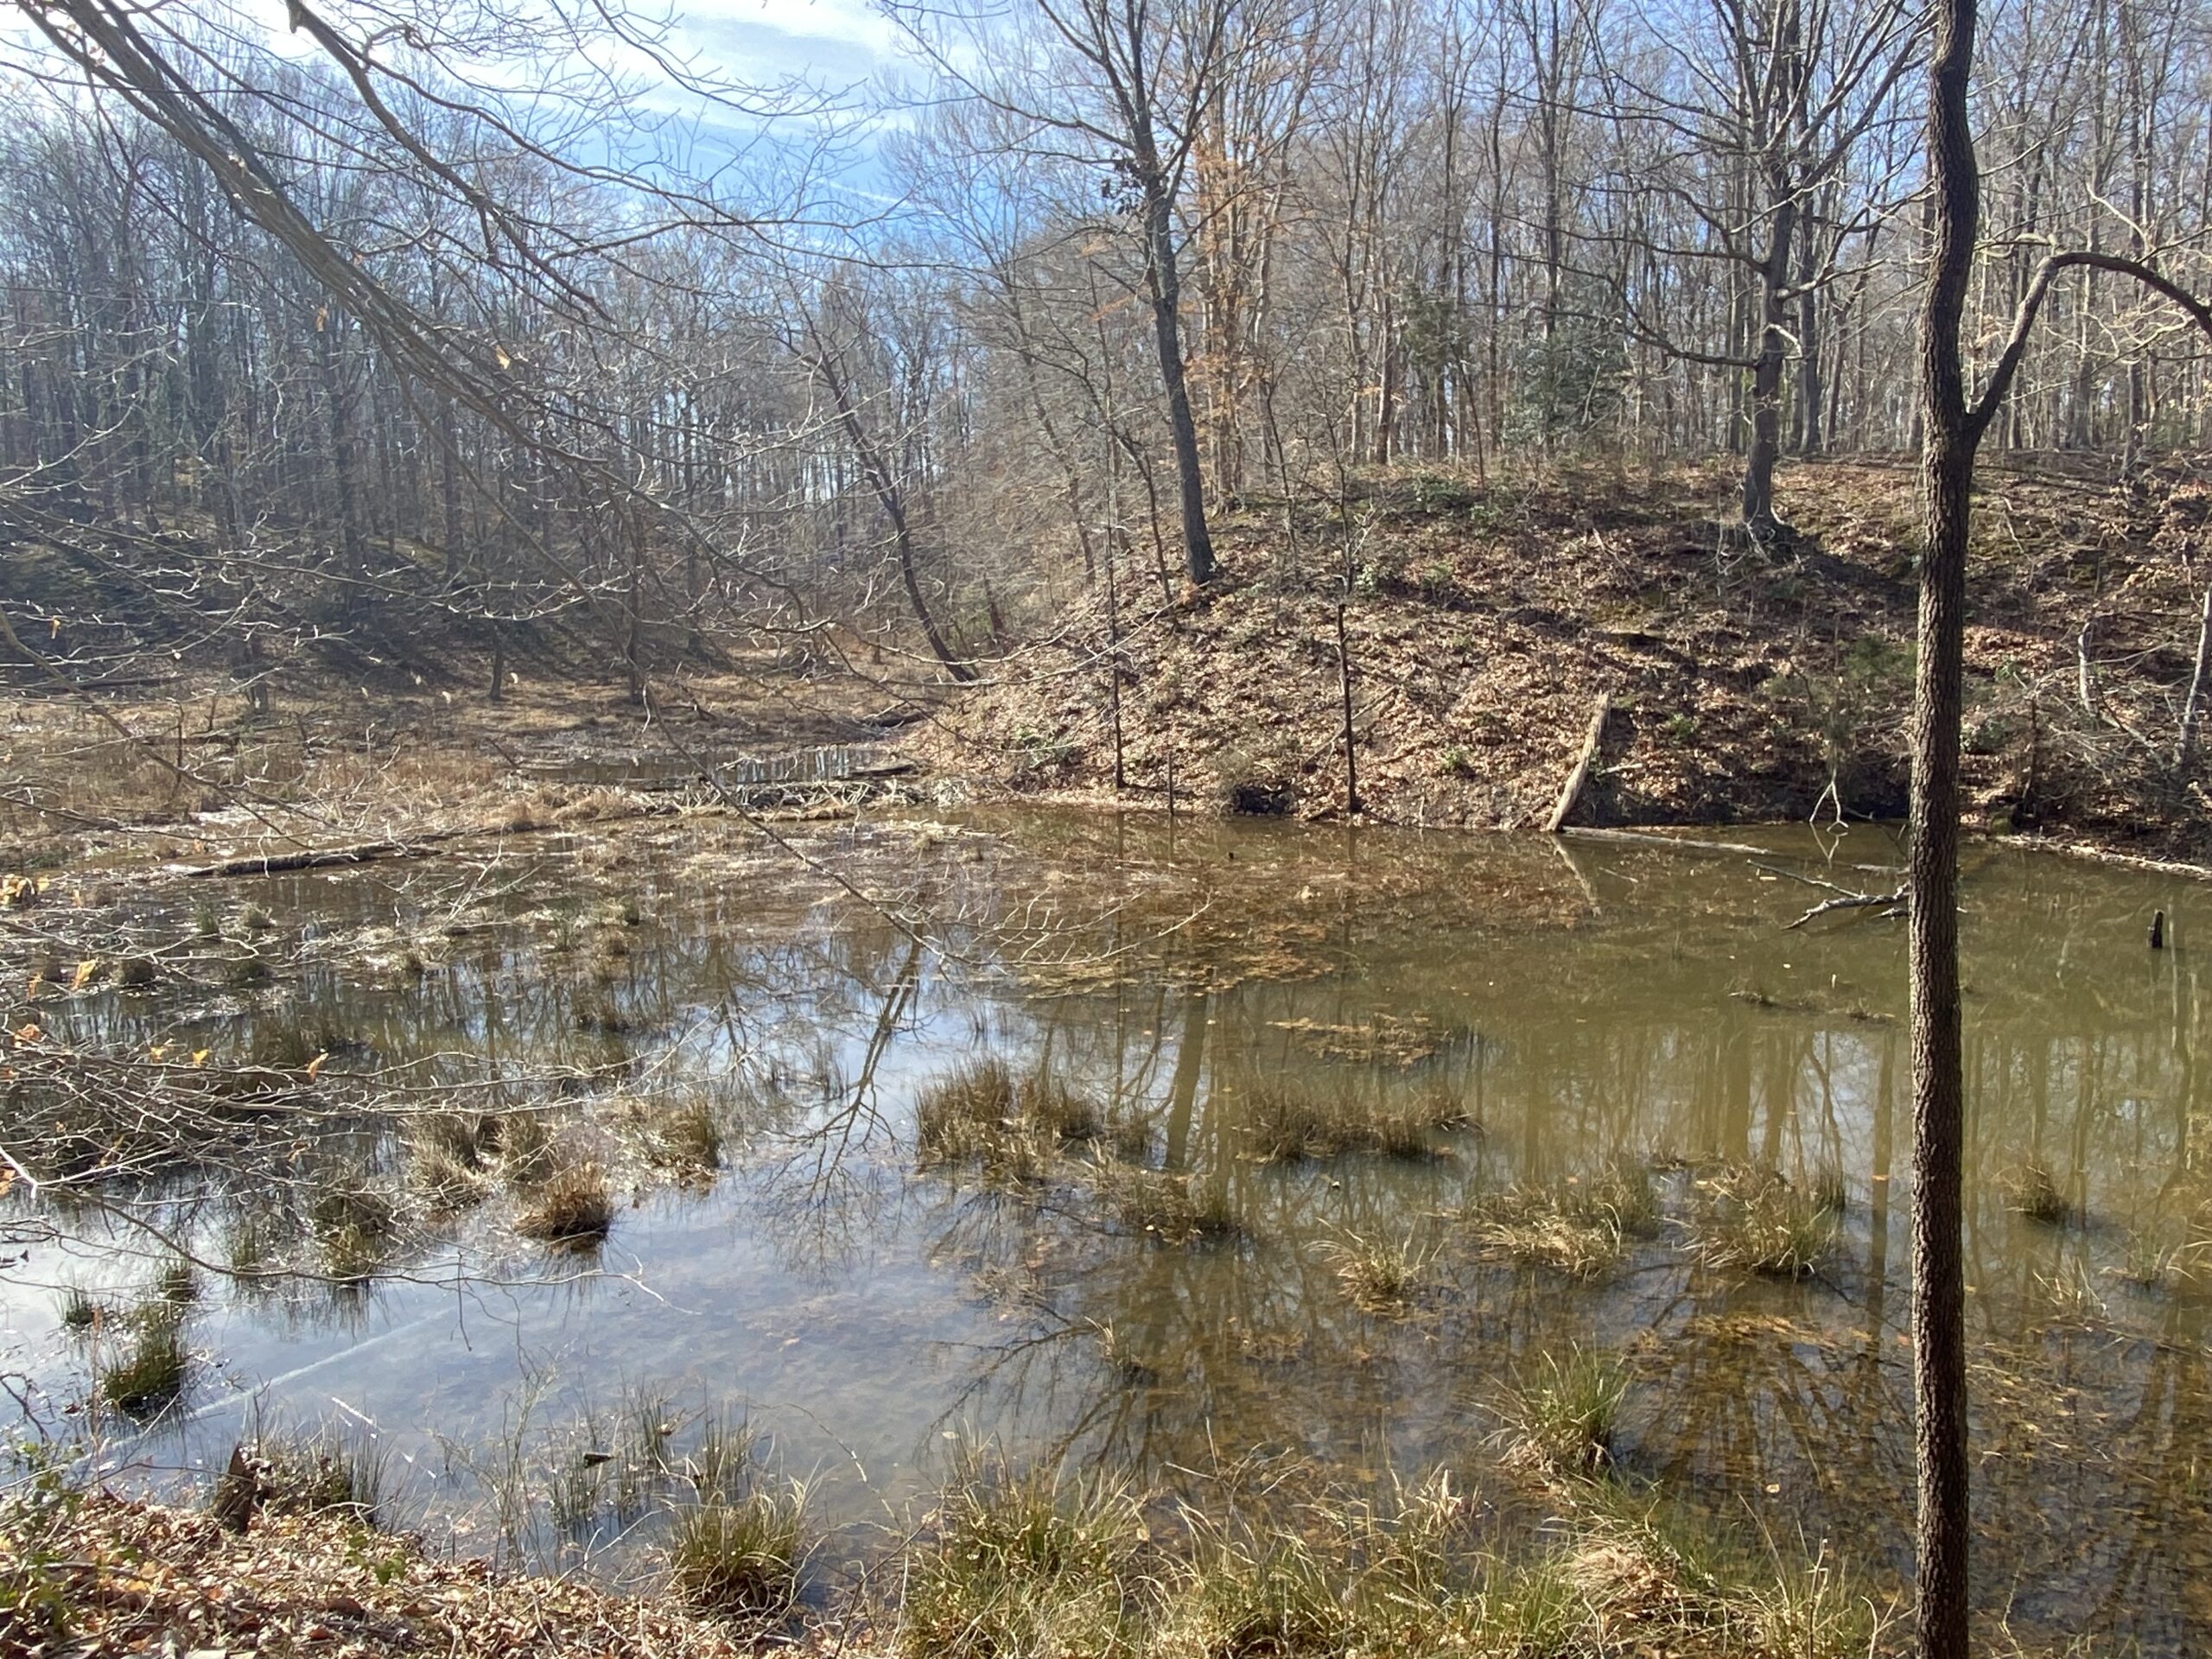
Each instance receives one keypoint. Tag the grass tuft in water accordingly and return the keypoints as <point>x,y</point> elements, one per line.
<point>1579,1228</point>
<point>355,1225</point>
<point>448,1158</point>
<point>1830,1189</point>
<point>147,1379</point>
<point>719,1466</point>
<point>1057,1111</point>
<point>1023,1563</point>
<point>1379,1276</point>
<point>1561,1410</point>
<point>688,1136</point>
<point>325,1473</point>
<point>82,1311</point>
<point>1167,1208</point>
<point>1751,1219</point>
<point>574,1205</point>
<point>1283,1124</point>
<point>967,1116</point>
<point>741,1558</point>
<point>979,1114</point>
<point>2032,1191</point>
<point>177,1283</point>
<point>2070,1291</point>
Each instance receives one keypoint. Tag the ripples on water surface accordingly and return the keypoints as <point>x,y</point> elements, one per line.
<point>1583,1005</point>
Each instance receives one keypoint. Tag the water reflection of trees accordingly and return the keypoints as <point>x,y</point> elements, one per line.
<point>1636,1006</point>
<point>2082,1059</point>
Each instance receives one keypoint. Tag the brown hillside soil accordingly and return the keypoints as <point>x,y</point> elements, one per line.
<point>1485,620</point>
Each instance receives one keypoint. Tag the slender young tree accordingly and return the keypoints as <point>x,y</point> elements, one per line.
<point>1954,424</point>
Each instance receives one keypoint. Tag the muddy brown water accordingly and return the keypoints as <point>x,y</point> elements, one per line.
<point>1586,1004</point>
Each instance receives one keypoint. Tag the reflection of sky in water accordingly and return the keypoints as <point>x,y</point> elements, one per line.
<point>1586,1004</point>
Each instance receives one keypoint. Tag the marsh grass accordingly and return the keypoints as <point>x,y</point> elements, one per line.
<point>2071,1291</point>
<point>1561,1410</point>
<point>719,1464</point>
<point>1716,1590</point>
<point>1580,1228</point>
<point>1347,1576</point>
<point>325,1473</point>
<point>979,1114</point>
<point>1284,1124</point>
<point>82,1311</point>
<point>356,1226</point>
<point>573,1206</point>
<point>1167,1208</point>
<point>1750,1219</point>
<point>448,1157</point>
<point>1830,1189</point>
<point>524,1144</point>
<point>1059,1111</point>
<point>1380,1275</point>
<point>687,1136</point>
<point>2030,1189</point>
<point>741,1558</point>
<point>148,1376</point>
<point>1020,1563</point>
<point>176,1283</point>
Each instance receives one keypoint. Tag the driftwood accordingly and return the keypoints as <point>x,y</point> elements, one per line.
<point>315,858</point>
<point>2124,860</point>
<point>1671,843</point>
<point>1573,790</point>
<point>1890,904</point>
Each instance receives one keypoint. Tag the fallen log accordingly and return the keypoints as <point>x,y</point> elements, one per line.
<point>1573,790</point>
<point>315,858</point>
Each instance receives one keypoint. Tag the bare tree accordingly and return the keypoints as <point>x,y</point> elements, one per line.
<point>1957,421</point>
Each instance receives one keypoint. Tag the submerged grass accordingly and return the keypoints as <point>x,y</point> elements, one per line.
<point>148,1377</point>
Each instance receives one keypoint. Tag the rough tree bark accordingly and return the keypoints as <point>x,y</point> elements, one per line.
<point>1953,426</point>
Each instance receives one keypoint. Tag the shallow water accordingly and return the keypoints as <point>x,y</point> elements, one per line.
<point>1586,1003</point>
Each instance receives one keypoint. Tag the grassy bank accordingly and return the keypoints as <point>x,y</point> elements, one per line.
<point>1004,1563</point>
<point>1484,617</point>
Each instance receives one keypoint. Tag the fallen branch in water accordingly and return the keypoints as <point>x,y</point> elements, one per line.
<point>1889,903</point>
<point>313,858</point>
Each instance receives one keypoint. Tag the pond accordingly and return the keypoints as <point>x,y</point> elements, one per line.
<point>1176,1147</point>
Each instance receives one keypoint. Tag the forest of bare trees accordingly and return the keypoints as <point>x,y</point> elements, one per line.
<point>425,353</point>
<point>437,338</point>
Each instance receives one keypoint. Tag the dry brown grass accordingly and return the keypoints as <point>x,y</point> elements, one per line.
<point>574,1205</point>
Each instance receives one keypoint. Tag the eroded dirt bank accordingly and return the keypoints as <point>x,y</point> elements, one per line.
<point>1485,621</point>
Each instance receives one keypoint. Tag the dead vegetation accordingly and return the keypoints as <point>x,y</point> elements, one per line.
<point>1497,610</point>
<point>1283,1122</point>
<point>1750,1218</point>
<point>1579,1227</point>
